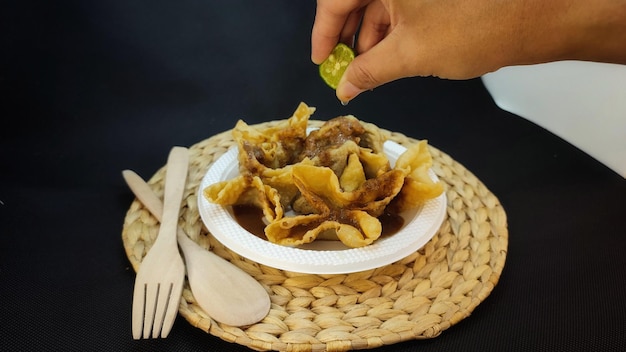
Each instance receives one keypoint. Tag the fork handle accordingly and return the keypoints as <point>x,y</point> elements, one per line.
<point>175,179</point>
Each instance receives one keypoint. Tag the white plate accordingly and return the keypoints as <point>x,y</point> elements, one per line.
<point>319,257</point>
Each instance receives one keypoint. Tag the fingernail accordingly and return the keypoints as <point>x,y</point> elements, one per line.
<point>346,91</point>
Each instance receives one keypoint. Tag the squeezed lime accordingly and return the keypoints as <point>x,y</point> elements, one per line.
<point>335,64</point>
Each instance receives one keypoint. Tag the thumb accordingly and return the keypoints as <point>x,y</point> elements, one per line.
<point>375,67</point>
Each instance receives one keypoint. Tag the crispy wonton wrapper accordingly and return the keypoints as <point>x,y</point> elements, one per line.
<point>337,179</point>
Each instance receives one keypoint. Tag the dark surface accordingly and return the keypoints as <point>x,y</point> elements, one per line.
<point>91,88</point>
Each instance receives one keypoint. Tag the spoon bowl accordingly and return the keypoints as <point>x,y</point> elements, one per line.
<point>225,292</point>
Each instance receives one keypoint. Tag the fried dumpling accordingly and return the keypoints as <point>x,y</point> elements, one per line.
<point>351,214</point>
<point>374,163</point>
<point>353,175</point>
<point>320,186</point>
<point>332,134</point>
<point>302,229</point>
<point>418,186</point>
<point>246,189</point>
<point>277,145</point>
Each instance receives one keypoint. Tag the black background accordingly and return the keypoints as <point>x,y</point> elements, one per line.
<point>91,88</point>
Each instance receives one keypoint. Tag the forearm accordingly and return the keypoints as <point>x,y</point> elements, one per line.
<point>572,30</point>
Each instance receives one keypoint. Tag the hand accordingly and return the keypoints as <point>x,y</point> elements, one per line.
<point>461,39</point>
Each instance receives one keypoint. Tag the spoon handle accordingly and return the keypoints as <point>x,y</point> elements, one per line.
<point>144,193</point>
<point>148,198</point>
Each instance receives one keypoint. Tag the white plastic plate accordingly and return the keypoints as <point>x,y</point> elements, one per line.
<point>319,257</point>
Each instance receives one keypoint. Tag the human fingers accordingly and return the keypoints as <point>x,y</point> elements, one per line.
<point>325,34</point>
<point>374,26</point>
<point>373,68</point>
<point>348,32</point>
<point>334,21</point>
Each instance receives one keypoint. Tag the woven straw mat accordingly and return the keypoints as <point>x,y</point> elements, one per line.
<point>417,297</point>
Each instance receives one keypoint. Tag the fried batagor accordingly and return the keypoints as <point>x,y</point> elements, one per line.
<point>418,186</point>
<point>247,190</point>
<point>337,138</point>
<point>337,179</point>
<point>353,214</point>
<point>273,147</point>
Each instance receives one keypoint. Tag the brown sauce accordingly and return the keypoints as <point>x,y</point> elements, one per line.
<point>391,223</point>
<point>251,219</point>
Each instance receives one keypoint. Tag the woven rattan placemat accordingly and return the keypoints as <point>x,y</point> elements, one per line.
<point>417,297</point>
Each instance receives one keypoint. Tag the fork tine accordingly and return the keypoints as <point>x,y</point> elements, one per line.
<point>172,307</point>
<point>149,319</point>
<point>162,301</point>
<point>139,307</point>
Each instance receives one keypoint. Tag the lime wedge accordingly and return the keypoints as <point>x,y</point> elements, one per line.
<point>335,64</point>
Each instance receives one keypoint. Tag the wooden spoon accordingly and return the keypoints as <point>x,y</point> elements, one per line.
<point>225,292</point>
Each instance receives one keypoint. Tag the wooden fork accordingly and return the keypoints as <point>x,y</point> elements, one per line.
<point>159,281</point>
